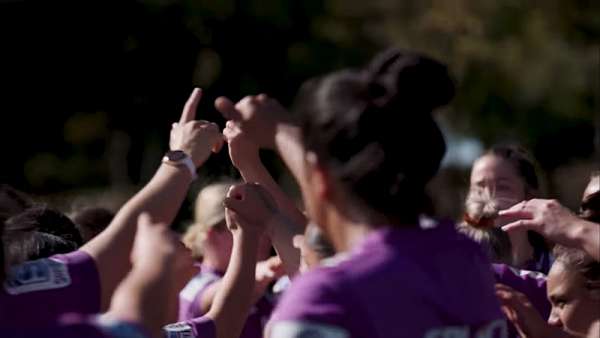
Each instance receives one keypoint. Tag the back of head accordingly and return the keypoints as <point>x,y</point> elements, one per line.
<point>479,225</point>
<point>580,262</point>
<point>12,202</point>
<point>374,131</point>
<point>39,232</point>
<point>92,221</point>
<point>208,212</point>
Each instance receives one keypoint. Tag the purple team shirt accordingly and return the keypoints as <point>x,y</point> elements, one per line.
<point>190,296</point>
<point>531,283</point>
<point>38,292</point>
<point>398,282</point>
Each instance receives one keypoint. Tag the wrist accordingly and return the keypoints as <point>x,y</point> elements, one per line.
<point>181,159</point>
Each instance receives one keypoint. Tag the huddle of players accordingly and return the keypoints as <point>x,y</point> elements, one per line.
<point>362,260</point>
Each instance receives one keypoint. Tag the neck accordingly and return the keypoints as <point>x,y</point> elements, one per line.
<point>345,232</point>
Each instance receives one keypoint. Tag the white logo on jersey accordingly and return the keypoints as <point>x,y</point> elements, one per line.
<point>178,330</point>
<point>38,275</point>
<point>291,329</point>
<point>495,329</point>
<point>197,283</point>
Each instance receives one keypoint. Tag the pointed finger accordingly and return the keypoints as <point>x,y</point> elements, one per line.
<point>227,109</point>
<point>189,110</point>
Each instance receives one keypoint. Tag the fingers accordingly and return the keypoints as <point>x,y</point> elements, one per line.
<point>227,109</point>
<point>519,225</point>
<point>189,110</point>
<point>235,197</point>
<point>144,219</point>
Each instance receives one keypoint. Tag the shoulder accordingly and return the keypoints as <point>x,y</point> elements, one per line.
<point>317,295</point>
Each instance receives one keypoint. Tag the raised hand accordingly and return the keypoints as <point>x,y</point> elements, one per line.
<point>242,150</point>
<point>257,116</point>
<point>521,313</point>
<point>250,207</point>
<point>197,138</point>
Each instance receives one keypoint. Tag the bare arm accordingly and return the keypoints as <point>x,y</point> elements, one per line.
<point>556,223</point>
<point>150,281</point>
<point>244,154</point>
<point>234,297</point>
<point>161,198</point>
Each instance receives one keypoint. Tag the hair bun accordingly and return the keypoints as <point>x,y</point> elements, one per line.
<point>410,78</point>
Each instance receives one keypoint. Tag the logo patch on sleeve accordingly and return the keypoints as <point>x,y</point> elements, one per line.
<point>39,275</point>
<point>178,330</point>
<point>289,329</point>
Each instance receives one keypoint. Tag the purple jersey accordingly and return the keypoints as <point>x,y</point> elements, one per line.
<point>78,326</point>
<point>36,293</point>
<point>190,296</point>
<point>532,284</point>
<point>398,282</point>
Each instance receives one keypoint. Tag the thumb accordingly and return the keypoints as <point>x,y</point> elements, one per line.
<point>227,109</point>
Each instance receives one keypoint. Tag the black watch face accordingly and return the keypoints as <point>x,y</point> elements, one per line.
<point>176,155</point>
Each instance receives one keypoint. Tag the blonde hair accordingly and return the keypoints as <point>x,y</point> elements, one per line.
<point>481,210</point>
<point>208,213</point>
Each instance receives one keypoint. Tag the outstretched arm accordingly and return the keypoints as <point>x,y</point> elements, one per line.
<point>161,198</point>
<point>151,281</point>
<point>556,223</point>
<point>247,216</point>
<point>244,153</point>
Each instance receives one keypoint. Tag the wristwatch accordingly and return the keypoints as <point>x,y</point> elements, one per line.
<point>179,158</point>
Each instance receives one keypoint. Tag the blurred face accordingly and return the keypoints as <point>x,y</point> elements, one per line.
<point>500,178</point>
<point>574,308</point>
<point>220,241</point>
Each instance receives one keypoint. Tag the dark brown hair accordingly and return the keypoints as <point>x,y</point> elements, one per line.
<point>374,131</point>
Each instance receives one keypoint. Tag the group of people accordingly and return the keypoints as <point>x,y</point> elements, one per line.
<point>360,256</point>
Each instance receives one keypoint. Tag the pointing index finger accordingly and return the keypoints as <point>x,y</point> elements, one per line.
<point>189,110</point>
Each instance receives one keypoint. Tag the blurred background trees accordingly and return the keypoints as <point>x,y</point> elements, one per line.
<point>94,85</point>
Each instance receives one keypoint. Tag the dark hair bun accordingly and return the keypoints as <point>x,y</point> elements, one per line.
<point>413,79</point>
<point>374,129</point>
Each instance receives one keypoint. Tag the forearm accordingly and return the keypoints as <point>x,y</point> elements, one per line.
<point>161,198</point>
<point>282,235</point>
<point>289,146</point>
<point>586,236</point>
<point>232,302</point>
<point>141,298</point>
<point>255,171</point>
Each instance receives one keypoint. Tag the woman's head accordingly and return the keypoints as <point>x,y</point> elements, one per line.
<point>208,237</point>
<point>508,173</point>
<point>372,133</point>
<point>39,232</point>
<point>209,219</point>
<point>574,290</point>
<point>12,202</point>
<point>479,224</point>
<point>92,221</point>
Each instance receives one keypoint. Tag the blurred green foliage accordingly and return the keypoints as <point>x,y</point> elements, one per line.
<point>116,73</point>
